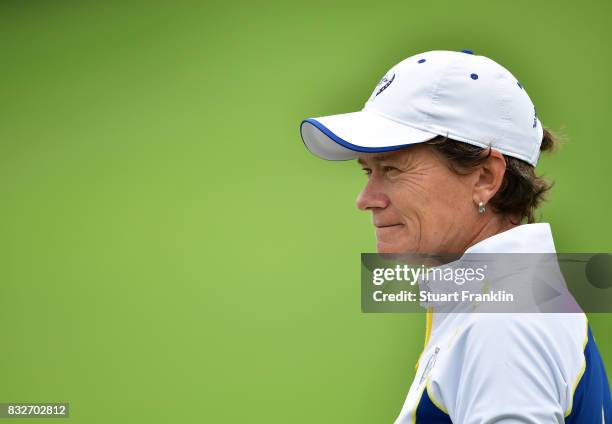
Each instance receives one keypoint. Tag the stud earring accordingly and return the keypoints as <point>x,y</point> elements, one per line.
<point>481,208</point>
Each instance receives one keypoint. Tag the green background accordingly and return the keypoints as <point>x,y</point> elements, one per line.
<point>172,253</point>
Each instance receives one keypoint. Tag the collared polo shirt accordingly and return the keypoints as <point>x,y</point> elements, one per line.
<point>509,368</point>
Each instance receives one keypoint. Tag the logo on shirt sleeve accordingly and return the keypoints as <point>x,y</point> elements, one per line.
<point>430,364</point>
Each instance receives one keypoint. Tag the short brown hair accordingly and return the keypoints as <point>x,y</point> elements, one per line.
<point>521,191</point>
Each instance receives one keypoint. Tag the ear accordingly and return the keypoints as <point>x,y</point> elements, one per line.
<point>489,177</point>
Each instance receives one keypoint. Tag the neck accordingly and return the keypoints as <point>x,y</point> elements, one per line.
<point>491,225</point>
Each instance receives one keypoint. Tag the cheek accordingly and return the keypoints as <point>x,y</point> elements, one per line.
<point>430,207</point>
<point>451,199</point>
<point>418,198</point>
<point>411,202</point>
<point>449,213</point>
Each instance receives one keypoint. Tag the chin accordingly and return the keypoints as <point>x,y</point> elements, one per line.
<point>382,247</point>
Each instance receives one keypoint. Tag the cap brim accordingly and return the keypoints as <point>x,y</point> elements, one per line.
<point>345,136</point>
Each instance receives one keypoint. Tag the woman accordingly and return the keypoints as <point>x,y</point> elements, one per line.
<point>449,142</point>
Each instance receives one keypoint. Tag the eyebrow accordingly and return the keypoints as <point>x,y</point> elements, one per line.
<point>377,158</point>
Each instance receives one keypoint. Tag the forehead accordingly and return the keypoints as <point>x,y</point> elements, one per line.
<point>397,155</point>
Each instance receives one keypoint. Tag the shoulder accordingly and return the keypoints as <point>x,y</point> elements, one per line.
<point>512,360</point>
<point>554,339</point>
<point>538,355</point>
<point>534,327</point>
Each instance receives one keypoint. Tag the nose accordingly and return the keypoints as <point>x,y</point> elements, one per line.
<point>372,196</point>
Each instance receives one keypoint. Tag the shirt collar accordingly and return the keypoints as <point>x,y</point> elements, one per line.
<point>526,238</point>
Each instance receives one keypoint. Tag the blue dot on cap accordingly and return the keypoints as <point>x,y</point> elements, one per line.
<point>467,51</point>
<point>519,84</point>
<point>422,60</point>
<point>474,76</point>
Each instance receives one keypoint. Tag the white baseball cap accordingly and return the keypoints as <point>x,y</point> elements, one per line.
<point>459,95</point>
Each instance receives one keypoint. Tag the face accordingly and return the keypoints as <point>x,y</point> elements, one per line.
<point>418,204</point>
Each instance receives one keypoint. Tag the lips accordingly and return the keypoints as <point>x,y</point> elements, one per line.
<point>384,232</point>
<point>386,225</point>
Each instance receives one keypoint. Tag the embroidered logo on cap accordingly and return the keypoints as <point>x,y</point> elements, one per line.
<point>383,84</point>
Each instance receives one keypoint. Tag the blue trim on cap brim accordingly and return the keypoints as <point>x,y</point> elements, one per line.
<point>345,143</point>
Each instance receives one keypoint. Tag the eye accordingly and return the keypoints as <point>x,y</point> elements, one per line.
<point>367,171</point>
<point>387,169</point>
